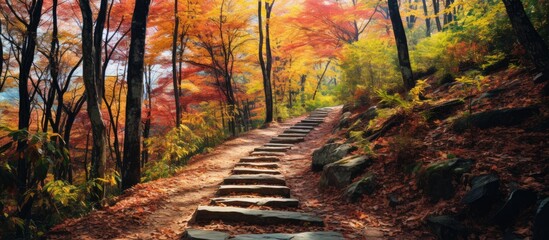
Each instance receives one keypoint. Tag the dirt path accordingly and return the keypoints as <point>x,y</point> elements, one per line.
<point>161,209</point>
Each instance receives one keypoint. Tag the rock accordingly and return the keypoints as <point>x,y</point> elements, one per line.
<point>510,236</point>
<point>197,234</point>
<point>261,190</point>
<point>437,179</point>
<point>540,78</point>
<point>246,202</point>
<point>483,194</point>
<point>345,121</point>
<point>495,66</point>
<point>518,201</point>
<point>373,133</point>
<point>366,185</point>
<point>340,174</point>
<point>443,110</point>
<point>393,200</point>
<point>293,236</point>
<point>261,179</point>
<point>447,227</point>
<point>447,79</point>
<point>370,114</point>
<point>495,118</point>
<point>206,214</point>
<point>330,153</point>
<point>541,231</point>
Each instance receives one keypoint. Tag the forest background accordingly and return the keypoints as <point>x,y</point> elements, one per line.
<point>205,73</point>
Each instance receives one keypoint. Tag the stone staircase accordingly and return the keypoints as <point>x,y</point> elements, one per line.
<point>257,182</point>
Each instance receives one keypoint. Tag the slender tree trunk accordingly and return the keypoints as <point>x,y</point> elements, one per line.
<point>175,72</point>
<point>131,171</point>
<point>265,68</point>
<point>427,19</point>
<point>436,8</point>
<point>321,78</point>
<point>27,59</point>
<point>402,45</point>
<point>92,85</point>
<point>147,125</point>
<point>527,35</point>
<point>97,43</point>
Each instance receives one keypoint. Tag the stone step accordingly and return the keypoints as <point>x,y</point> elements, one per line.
<point>292,236</point>
<point>267,154</point>
<point>257,165</point>
<point>260,159</point>
<point>312,121</point>
<point>303,127</point>
<point>205,214</point>
<point>247,202</point>
<point>300,124</point>
<point>261,179</point>
<point>197,234</point>
<point>297,131</point>
<point>287,139</point>
<point>241,171</point>
<point>262,190</point>
<point>278,145</point>
<point>293,135</point>
<point>272,149</point>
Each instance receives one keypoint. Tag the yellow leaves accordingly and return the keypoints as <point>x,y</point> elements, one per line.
<point>189,86</point>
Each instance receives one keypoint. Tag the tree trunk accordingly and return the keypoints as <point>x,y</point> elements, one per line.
<point>320,78</point>
<point>527,35</point>
<point>436,8</point>
<point>131,171</point>
<point>91,84</point>
<point>402,45</point>
<point>265,70</point>
<point>97,43</point>
<point>427,19</point>
<point>176,87</point>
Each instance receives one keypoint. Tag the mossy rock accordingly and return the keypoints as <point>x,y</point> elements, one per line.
<point>367,185</point>
<point>436,179</point>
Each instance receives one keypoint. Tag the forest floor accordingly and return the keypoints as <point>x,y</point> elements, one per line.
<point>161,209</point>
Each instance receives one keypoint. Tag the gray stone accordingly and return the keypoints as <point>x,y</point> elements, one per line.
<point>269,202</point>
<point>495,118</point>
<point>259,159</point>
<point>257,165</point>
<point>297,131</point>
<point>279,154</point>
<point>483,194</point>
<point>518,201</point>
<point>340,174</point>
<point>252,216</point>
<point>366,185</point>
<point>262,190</point>
<point>287,140</point>
<point>443,110</point>
<point>293,135</point>
<point>243,171</point>
<point>447,228</point>
<point>272,149</point>
<point>330,153</point>
<point>295,236</point>
<point>303,127</point>
<point>278,145</point>
<point>264,179</point>
<point>197,234</point>
<point>436,180</point>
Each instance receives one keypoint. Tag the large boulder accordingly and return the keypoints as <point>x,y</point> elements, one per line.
<point>340,174</point>
<point>366,185</point>
<point>483,195</point>
<point>518,201</point>
<point>330,153</point>
<point>447,227</point>
<point>437,179</point>
<point>495,118</point>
